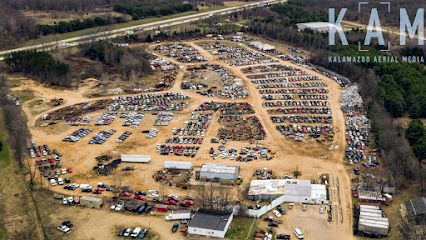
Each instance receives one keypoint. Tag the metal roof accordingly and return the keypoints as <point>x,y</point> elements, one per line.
<point>416,206</point>
<point>210,219</point>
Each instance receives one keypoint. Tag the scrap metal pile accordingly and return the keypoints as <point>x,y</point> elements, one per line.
<point>149,102</point>
<point>181,52</point>
<point>236,55</point>
<point>223,84</point>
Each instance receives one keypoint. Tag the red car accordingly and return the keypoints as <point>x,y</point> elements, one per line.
<point>139,197</point>
<point>69,170</point>
<point>125,194</point>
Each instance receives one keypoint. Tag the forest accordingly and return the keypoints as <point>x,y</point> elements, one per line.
<point>40,65</point>
<point>130,63</point>
<point>152,8</point>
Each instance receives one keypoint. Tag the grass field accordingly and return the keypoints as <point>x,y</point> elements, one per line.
<point>240,228</point>
<point>4,162</point>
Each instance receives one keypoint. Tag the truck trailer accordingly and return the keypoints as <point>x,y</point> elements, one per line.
<point>179,215</point>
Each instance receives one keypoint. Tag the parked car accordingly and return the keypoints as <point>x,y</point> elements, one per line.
<point>283,236</point>
<point>276,213</point>
<point>175,227</point>
<point>127,232</point>
<point>298,233</point>
<point>64,229</point>
<point>321,210</point>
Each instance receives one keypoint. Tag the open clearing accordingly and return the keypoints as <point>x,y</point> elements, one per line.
<point>310,157</point>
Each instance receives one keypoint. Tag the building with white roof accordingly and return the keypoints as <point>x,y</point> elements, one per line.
<point>219,172</point>
<point>300,191</point>
<point>318,26</point>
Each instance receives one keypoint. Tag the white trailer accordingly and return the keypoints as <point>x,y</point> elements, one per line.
<point>135,158</point>
<point>177,165</point>
<point>179,215</point>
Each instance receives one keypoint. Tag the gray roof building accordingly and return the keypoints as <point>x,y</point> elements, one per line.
<point>210,223</point>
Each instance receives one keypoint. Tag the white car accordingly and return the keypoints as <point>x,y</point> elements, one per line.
<point>70,199</point>
<point>321,210</point>
<point>127,232</point>
<point>64,229</point>
<point>277,214</point>
<point>64,171</point>
<point>53,182</point>
<point>65,201</point>
<point>298,233</point>
<point>60,181</point>
<point>119,206</point>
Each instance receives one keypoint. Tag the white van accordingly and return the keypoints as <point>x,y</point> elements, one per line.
<point>298,233</point>
<point>136,232</point>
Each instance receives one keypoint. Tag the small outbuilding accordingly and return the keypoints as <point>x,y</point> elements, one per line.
<point>210,223</point>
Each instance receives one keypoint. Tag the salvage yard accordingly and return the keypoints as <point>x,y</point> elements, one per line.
<point>228,104</point>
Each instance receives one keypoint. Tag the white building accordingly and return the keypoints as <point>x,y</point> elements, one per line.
<point>317,26</point>
<point>210,223</point>
<point>299,191</point>
<point>219,172</point>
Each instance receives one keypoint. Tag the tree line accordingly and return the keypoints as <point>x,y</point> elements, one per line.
<point>40,65</point>
<point>77,24</point>
<point>152,8</point>
<point>416,135</point>
<point>62,5</point>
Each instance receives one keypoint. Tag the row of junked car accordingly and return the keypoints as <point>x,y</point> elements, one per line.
<point>77,135</point>
<point>102,136</point>
<point>134,233</point>
<point>188,151</point>
<point>246,154</point>
<point>185,140</point>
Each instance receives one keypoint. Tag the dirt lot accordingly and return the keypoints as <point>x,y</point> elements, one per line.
<point>289,156</point>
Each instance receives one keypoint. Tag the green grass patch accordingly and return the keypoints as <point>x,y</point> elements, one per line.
<point>24,95</point>
<point>5,152</point>
<point>240,228</point>
<point>3,233</point>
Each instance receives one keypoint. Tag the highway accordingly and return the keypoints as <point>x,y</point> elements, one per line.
<point>70,42</point>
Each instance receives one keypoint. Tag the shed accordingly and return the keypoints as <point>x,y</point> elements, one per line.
<point>210,223</point>
<point>177,165</point>
<point>135,158</point>
<point>91,201</point>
